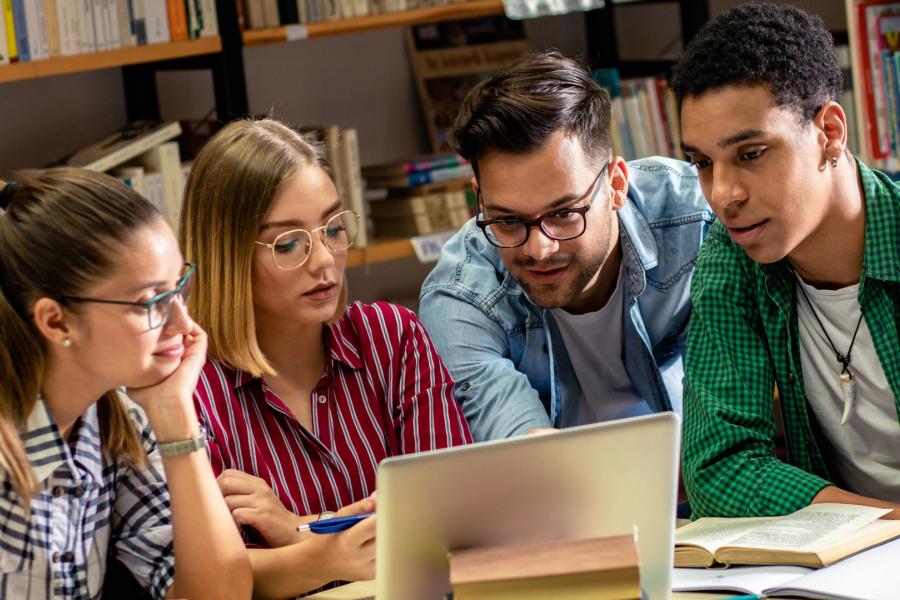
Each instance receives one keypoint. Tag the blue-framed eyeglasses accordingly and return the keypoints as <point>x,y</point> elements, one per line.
<point>159,308</point>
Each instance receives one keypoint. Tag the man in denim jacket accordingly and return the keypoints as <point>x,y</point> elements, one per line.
<point>567,300</point>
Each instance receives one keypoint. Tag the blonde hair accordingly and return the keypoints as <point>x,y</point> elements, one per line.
<point>88,216</point>
<point>232,184</point>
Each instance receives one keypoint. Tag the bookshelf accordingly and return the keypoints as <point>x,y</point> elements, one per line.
<point>430,14</point>
<point>377,252</point>
<point>109,59</point>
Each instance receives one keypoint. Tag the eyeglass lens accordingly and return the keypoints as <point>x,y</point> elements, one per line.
<point>292,248</point>
<point>160,311</point>
<point>563,227</point>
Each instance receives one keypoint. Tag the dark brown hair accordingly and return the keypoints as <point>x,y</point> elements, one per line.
<point>516,110</point>
<point>59,234</point>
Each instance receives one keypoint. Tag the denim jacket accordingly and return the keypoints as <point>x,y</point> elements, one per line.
<point>505,353</point>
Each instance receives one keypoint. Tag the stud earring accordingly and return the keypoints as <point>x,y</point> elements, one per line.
<point>67,343</point>
<point>834,161</point>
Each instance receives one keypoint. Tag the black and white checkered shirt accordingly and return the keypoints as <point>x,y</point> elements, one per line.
<point>86,508</point>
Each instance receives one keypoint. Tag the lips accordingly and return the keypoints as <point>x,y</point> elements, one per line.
<point>546,276</point>
<point>745,232</point>
<point>173,352</point>
<point>323,291</point>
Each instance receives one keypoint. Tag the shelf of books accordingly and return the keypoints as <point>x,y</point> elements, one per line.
<point>466,9</point>
<point>873,28</point>
<point>120,57</point>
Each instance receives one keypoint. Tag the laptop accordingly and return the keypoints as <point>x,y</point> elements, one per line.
<point>590,481</point>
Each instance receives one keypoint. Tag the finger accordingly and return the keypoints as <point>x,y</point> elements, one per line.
<point>235,501</point>
<point>362,532</point>
<point>245,516</point>
<point>361,507</point>
<point>232,481</point>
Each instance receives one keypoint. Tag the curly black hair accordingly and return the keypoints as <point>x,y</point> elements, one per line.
<point>781,47</point>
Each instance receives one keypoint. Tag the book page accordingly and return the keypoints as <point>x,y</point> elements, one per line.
<point>710,533</point>
<point>873,575</point>
<point>745,580</point>
<point>810,529</point>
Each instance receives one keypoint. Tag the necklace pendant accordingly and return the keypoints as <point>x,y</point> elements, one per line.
<point>848,385</point>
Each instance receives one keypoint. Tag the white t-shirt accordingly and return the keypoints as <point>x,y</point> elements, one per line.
<point>594,344</point>
<point>865,452</point>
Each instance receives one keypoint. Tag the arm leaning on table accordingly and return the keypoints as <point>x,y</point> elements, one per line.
<point>728,461</point>
<point>497,399</point>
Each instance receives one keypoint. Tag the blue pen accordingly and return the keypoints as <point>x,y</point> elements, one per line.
<point>333,525</point>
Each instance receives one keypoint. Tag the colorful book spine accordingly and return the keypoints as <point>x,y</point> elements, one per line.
<point>9,24</point>
<point>178,26</point>
<point>21,29</point>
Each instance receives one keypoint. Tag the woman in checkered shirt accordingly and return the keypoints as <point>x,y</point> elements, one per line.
<point>92,289</point>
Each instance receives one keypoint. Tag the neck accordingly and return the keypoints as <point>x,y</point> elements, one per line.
<point>296,350</point>
<point>68,392</point>
<point>600,289</point>
<point>832,256</point>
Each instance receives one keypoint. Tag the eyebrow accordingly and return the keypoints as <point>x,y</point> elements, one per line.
<point>741,136</point>
<point>494,208</point>
<point>295,223</point>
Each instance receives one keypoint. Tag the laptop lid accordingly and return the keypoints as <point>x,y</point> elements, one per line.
<point>589,481</point>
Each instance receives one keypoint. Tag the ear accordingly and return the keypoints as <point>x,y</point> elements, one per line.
<point>52,320</point>
<point>617,175</point>
<point>474,183</point>
<point>832,124</point>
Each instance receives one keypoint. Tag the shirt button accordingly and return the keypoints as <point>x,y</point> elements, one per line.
<point>322,399</point>
<point>58,491</point>
<point>55,557</point>
<point>464,387</point>
<point>78,492</point>
<point>791,378</point>
<point>68,556</point>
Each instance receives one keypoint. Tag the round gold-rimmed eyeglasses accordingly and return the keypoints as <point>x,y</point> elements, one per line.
<point>291,249</point>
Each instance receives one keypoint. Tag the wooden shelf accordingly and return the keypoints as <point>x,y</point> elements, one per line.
<point>430,14</point>
<point>380,252</point>
<point>108,59</point>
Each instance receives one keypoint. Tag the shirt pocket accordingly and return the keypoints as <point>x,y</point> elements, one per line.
<point>16,571</point>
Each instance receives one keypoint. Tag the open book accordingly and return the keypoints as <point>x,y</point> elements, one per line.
<point>870,575</point>
<point>815,536</point>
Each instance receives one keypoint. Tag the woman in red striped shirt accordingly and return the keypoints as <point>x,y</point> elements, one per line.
<point>302,395</point>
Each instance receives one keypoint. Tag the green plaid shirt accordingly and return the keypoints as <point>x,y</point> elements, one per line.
<point>743,342</point>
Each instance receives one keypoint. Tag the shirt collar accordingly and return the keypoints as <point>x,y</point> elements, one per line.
<point>882,198</point>
<point>880,258</point>
<point>47,450</point>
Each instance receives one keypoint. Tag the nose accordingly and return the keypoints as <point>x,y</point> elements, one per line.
<point>726,190</point>
<point>320,257</point>
<point>179,322</point>
<point>538,246</point>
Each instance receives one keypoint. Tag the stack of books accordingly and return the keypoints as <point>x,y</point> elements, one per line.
<point>145,156</point>
<point>424,195</point>
<point>40,29</point>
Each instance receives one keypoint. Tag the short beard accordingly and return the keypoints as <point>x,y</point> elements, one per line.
<point>564,294</point>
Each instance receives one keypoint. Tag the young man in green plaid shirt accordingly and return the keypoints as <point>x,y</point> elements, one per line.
<point>797,286</point>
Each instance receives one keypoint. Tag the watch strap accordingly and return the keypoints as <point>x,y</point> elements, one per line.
<point>192,444</point>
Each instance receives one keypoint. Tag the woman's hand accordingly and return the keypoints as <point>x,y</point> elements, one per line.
<point>253,503</point>
<point>350,554</point>
<point>169,404</point>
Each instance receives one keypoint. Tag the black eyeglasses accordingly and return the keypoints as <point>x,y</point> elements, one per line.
<point>159,308</point>
<point>560,225</point>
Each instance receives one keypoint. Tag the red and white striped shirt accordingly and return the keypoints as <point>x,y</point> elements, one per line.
<point>385,392</point>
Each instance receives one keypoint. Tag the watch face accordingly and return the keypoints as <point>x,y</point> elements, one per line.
<point>326,515</point>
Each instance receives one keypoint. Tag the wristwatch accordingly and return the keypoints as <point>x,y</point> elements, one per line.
<point>192,444</point>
